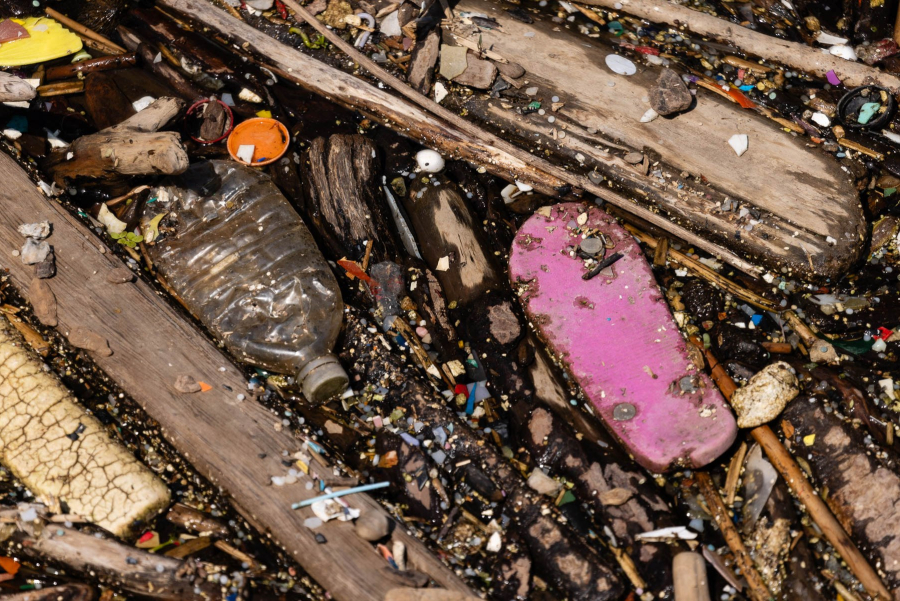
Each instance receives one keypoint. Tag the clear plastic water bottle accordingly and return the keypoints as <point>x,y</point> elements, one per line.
<point>241,260</point>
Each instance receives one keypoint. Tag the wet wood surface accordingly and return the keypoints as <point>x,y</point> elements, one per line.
<point>234,443</point>
<point>803,195</point>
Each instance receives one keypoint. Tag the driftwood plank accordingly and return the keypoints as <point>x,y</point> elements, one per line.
<point>803,195</point>
<point>232,442</point>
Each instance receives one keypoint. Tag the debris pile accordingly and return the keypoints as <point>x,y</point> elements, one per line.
<point>387,300</point>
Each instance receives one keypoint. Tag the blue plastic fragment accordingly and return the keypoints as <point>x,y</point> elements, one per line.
<point>470,403</point>
<point>18,123</point>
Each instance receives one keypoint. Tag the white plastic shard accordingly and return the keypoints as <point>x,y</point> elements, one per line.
<point>740,143</point>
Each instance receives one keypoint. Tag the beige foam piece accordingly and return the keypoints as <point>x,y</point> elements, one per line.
<point>98,478</point>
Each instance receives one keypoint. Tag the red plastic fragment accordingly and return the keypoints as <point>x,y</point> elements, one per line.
<point>647,50</point>
<point>145,537</point>
<point>883,334</point>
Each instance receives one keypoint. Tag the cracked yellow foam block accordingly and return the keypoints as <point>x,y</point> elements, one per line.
<point>59,451</point>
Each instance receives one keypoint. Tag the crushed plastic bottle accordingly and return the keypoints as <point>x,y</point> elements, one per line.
<point>242,261</point>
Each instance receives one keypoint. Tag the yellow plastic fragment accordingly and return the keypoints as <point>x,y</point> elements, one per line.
<point>809,440</point>
<point>49,40</point>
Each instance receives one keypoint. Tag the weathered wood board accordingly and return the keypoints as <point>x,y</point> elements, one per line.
<point>803,195</point>
<point>615,335</point>
<point>235,443</point>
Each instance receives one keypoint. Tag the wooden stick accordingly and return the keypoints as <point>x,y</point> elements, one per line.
<point>82,31</point>
<point>798,56</point>
<point>104,63</point>
<point>462,139</point>
<point>98,46</point>
<point>781,459</point>
<point>755,585</point>
<point>74,86</point>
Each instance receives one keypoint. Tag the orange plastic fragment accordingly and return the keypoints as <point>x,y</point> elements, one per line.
<point>204,387</point>
<point>741,99</point>
<point>353,269</point>
<point>10,565</point>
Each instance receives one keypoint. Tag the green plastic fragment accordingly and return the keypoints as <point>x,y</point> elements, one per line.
<point>889,191</point>
<point>534,105</point>
<point>867,111</point>
<point>616,28</point>
<point>567,497</point>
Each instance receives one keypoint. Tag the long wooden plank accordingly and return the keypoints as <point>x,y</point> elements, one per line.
<point>235,443</point>
<point>811,219</point>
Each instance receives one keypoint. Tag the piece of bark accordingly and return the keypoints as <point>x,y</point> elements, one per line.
<point>449,240</point>
<point>344,201</point>
<point>407,474</point>
<point>861,490</point>
<point>195,520</point>
<point>479,74</point>
<point>43,302</point>
<point>511,70</point>
<point>85,339</point>
<point>106,104</point>
<point>512,574</point>
<point>15,89</point>
<point>60,451</point>
<point>424,57</point>
<point>133,147</point>
<point>568,562</point>
<point>213,121</point>
<point>120,275</point>
<point>65,592</point>
<point>46,269</point>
